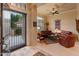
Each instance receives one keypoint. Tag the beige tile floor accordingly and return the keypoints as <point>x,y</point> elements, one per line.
<point>25,51</point>
<point>29,50</point>
<point>49,50</point>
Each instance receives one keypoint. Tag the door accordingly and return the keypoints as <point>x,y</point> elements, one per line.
<point>1,29</point>
<point>13,30</point>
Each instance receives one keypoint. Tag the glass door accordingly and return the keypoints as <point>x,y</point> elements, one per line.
<point>13,30</point>
<point>1,29</point>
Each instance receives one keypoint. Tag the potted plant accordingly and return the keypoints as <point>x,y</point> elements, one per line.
<point>47,25</point>
<point>14,20</point>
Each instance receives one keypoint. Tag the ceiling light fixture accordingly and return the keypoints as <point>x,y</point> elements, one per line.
<point>53,12</point>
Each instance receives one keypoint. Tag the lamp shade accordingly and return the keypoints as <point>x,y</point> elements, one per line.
<point>57,31</point>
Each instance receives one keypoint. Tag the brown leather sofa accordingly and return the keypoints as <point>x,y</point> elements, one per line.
<point>66,39</point>
<point>44,34</point>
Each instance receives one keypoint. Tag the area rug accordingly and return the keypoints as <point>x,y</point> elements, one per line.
<point>48,41</point>
<point>39,54</point>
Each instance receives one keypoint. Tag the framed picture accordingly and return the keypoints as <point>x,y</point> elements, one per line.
<point>77,25</point>
<point>57,24</point>
<point>34,24</point>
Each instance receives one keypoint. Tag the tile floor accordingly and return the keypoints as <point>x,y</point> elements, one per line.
<point>49,50</point>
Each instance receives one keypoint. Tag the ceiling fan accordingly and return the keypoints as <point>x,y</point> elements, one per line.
<point>53,12</point>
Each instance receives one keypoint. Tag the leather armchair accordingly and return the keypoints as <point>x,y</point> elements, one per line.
<point>67,39</point>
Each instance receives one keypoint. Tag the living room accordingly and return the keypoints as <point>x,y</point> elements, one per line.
<point>54,21</point>
<point>48,26</point>
<point>65,16</point>
<point>39,29</point>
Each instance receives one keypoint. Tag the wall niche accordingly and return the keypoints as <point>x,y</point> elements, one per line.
<point>77,25</point>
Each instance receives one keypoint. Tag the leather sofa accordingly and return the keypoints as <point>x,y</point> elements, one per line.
<point>44,34</point>
<point>66,39</point>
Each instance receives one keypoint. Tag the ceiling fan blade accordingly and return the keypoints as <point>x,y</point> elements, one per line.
<point>56,12</point>
<point>53,13</point>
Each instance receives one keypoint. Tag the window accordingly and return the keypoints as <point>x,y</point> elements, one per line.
<point>40,24</point>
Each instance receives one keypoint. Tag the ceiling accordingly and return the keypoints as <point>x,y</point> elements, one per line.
<point>45,8</point>
<point>39,4</point>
